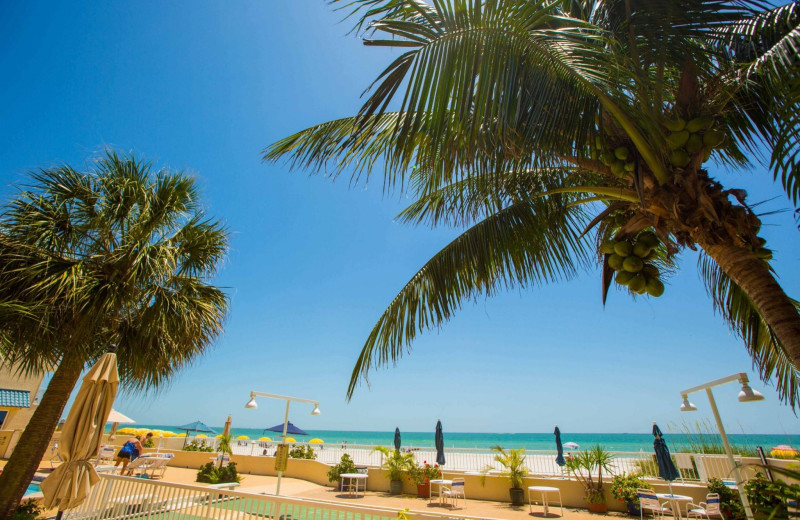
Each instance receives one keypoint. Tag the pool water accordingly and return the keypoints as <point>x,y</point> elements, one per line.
<point>33,487</point>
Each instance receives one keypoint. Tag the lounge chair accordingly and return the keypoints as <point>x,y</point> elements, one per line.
<point>455,491</point>
<point>709,508</point>
<point>648,501</point>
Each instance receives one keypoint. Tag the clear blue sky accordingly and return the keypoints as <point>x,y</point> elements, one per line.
<point>204,86</point>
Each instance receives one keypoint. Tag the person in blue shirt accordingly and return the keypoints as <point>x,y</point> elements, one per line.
<point>130,451</point>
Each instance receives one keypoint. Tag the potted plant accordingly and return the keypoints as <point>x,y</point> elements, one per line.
<point>624,487</point>
<point>346,465</point>
<point>421,475</point>
<point>582,466</point>
<point>513,463</point>
<point>396,465</point>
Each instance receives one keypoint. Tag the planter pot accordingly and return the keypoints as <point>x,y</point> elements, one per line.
<point>517,496</point>
<point>633,509</point>
<point>423,490</point>
<point>598,507</point>
<point>396,487</point>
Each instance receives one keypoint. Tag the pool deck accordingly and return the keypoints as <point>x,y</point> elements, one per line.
<point>262,484</point>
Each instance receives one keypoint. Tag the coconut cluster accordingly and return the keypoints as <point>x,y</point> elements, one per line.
<point>631,259</point>
<point>688,138</point>
<point>619,159</point>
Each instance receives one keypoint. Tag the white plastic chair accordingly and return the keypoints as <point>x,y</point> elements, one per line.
<point>454,492</point>
<point>709,508</point>
<point>106,454</point>
<point>648,501</point>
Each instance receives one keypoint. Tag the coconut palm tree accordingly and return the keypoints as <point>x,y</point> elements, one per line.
<point>559,134</point>
<point>119,254</point>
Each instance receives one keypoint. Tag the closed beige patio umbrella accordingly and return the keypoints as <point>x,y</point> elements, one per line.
<point>70,483</point>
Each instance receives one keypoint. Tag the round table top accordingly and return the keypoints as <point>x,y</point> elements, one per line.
<point>543,488</point>
<point>669,496</point>
<point>354,475</point>
<point>441,481</point>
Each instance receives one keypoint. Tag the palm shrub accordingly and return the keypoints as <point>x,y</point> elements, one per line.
<point>396,463</point>
<point>224,447</point>
<point>117,254</point>
<point>513,463</point>
<point>567,135</point>
<point>583,464</point>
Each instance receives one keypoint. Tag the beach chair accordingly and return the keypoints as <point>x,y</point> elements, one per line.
<point>140,465</point>
<point>106,454</point>
<point>648,501</point>
<point>709,508</point>
<point>454,492</point>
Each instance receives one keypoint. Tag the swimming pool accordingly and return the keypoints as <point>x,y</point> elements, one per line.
<point>33,487</point>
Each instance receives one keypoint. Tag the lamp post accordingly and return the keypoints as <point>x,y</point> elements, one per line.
<point>253,405</point>
<point>747,394</point>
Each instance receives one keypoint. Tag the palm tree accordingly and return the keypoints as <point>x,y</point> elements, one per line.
<point>119,254</point>
<point>531,123</point>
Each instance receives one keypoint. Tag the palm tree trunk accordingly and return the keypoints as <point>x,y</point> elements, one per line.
<point>754,277</point>
<point>33,443</point>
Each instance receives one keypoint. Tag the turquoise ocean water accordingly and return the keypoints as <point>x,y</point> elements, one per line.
<point>529,441</point>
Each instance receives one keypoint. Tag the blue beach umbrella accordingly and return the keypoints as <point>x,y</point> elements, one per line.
<point>290,429</point>
<point>439,443</point>
<point>560,458</point>
<point>666,468</point>
<point>196,426</point>
<point>397,439</point>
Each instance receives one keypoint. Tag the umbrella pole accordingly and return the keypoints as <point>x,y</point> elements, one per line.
<point>59,514</point>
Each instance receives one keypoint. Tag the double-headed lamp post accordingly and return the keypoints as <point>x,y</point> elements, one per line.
<point>253,405</point>
<point>745,395</point>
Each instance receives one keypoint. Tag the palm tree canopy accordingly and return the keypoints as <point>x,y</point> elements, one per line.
<point>530,123</point>
<point>118,254</point>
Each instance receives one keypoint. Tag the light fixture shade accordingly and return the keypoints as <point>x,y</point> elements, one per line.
<point>251,403</point>
<point>748,394</point>
<point>687,406</point>
<point>315,411</point>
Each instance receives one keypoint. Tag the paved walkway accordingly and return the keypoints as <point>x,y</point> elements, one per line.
<point>474,508</point>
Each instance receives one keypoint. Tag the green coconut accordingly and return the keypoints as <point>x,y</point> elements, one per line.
<point>632,264</point>
<point>699,123</point>
<point>694,144</point>
<point>607,247</point>
<point>651,271</point>
<point>641,249</point>
<point>649,238</point>
<point>676,140</point>
<point>621,153</point>
<point>617,168</point>
<point>652,256</point>
<point>624,277</point>
<point>615,262</point>
<point>623,248</point>
<point>679,158</point>
<point>713,138</point>
<point>630,166</point>
<point>675,125</point>
<point>707,155</point>
<point>637,283</point>
<point>654,287</point>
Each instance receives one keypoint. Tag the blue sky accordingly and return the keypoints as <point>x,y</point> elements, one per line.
<point>203,87</point>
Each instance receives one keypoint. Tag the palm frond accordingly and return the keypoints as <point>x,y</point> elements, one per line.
<point>524,244</point>
<point>770,358</point>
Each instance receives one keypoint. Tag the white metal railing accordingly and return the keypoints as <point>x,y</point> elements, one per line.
<point>126,498</point>
<point>692,466</point>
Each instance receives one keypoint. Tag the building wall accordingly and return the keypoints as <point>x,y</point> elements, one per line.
<point>17,418</point>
